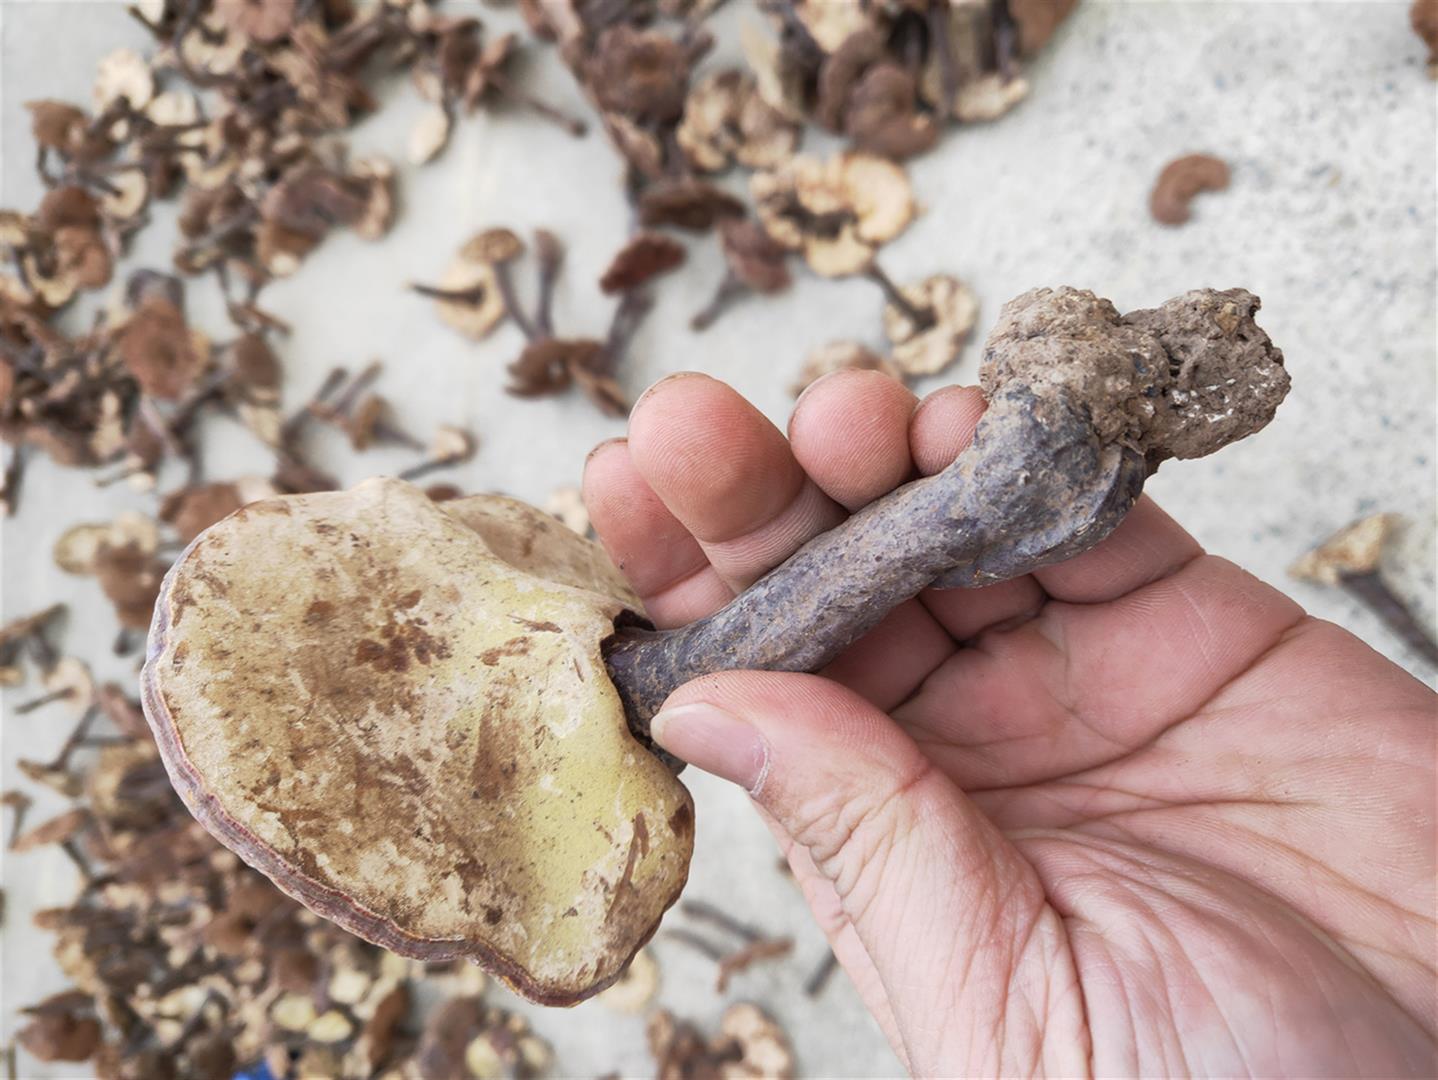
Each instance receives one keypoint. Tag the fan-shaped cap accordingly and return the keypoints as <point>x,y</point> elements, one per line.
<point>361,698</point>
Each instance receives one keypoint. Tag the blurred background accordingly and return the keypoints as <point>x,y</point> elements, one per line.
<point>1323,111</point>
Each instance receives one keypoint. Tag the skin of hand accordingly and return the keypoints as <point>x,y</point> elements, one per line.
<point>1136,814</point>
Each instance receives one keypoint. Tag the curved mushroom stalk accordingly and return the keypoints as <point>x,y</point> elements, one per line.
<point>1083,405</point>
<point>359,695</point>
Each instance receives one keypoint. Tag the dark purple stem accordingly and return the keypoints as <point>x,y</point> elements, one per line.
<point>730,290</point>
<point>1375,594</point>
<point>511,301</point>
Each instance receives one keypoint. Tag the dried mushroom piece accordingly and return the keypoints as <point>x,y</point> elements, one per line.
<point>1423,15</point>
<point>749,1043</point>
<point>938,316</point>
<point>840,356</point>
<point>429,135</point>
<point>63,1027</point>
<point>687,203</point>
<point>755,263</point>
<point>727,121</point>
<point>644,257</point>
<point>467,298</point>
<point>838,211</point>
<point>988,97</point>
<point>1181,180</point>
<point>1354,549</point>
<point>566,505</point>
<point>764,1048</point>
<point>1352,559</point>
<point>407,690</point>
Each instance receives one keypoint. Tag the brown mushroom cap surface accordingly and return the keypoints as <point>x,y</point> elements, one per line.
<point>359,696</point>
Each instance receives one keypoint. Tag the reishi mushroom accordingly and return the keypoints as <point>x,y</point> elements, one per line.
<point>428,722</point>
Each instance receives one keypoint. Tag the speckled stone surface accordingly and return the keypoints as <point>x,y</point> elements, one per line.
<point>1322,109</point>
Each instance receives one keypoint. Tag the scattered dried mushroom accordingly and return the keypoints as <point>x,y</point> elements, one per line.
<point>836,212</point>
<point>1182,179</point>
<point>748,1044</point>
<point>185,962</point>
<point>1424,16</point>
<point>1352,559</point>
<point>928,323</point>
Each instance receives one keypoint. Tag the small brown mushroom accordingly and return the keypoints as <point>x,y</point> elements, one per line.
<point>68,680</point>
<point>62,1028</point>
<point>56,830</point>
<point>643,258</point>
<point>755,264</point>
<point>123,75</point>
<point>988,97</point>
<point>160,349</point>
<point>450,446</point>
<point>838,212</point>
<point>881,116</point>
<point>1352,559</point>
<point>764,1048</point>
<point>1423,15</point>
<point>467,298</point>
<point>726,120</point>
<point>641,74</point>
<point>429,135</point>
<point>687,203</point>
<point>927,335</point>
<point>1182,179</point>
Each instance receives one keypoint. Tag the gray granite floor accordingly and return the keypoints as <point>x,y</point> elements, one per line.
<point>1328,119</point>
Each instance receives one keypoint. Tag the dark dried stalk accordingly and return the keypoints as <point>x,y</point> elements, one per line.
<point>730,290</point>
<point>1078,416</point>
<point>706,912</point>
<point>922,318</point>
<point>1375,594</point>
<point>819,978</point>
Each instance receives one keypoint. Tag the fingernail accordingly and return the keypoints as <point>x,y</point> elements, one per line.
<point>805,392</point>
<point>714,740</point>
<point>673,377</point>
<point>605,445</point>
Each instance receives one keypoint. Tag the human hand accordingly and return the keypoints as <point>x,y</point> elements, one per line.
<point>1134,814</point>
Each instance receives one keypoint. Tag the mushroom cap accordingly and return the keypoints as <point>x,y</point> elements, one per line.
<point>838,211</point>
<point>928,350</point>
<point>414,738</point>
<point>492,246</point>
<point>528,539</point>
<point>1354,549</point>
<point>473,320</point>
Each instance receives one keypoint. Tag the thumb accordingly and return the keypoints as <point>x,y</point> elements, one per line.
<point>973,961</point>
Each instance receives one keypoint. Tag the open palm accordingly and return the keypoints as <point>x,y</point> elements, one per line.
<point>1134,814</point>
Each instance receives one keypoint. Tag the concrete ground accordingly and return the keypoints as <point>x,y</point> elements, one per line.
<point>1324,112</point>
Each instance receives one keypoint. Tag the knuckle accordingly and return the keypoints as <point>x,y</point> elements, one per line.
<point>849,828</point>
